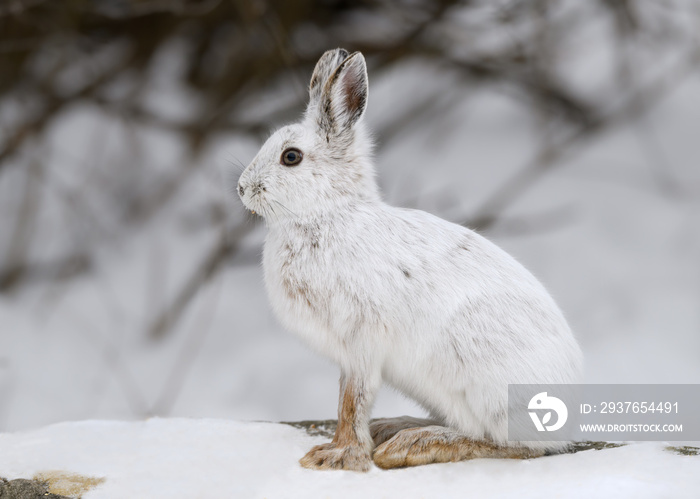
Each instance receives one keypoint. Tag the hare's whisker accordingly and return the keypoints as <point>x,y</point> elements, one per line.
<point>284,207</point>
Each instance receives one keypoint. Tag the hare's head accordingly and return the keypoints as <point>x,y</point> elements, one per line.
<point>324,162</point>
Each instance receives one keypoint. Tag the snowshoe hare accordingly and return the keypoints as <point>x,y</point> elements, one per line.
<point>396,295</point>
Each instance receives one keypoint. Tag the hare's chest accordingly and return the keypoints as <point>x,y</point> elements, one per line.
<point>297,278</point>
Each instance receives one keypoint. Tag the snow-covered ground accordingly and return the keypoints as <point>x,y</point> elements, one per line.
<point>205,458</point>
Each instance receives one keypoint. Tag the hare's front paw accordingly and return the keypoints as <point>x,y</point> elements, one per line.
<point>332,457</point>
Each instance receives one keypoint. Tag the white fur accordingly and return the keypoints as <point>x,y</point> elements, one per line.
<point>398,295</point>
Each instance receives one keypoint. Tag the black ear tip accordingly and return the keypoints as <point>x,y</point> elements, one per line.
<point>357,57</point>
<point>356,61</point>
<point>342,53</point>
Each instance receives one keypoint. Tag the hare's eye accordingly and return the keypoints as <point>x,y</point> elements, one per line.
<point>291,157</point>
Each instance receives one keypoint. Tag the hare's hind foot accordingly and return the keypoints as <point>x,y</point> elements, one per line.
<point>384,429</point>
<point>438,444</point>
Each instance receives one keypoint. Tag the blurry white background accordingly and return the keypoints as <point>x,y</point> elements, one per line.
<point>130,282</point>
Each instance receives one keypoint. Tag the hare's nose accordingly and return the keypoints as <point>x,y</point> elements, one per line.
<point>258,187</point>
<point>241,190</point>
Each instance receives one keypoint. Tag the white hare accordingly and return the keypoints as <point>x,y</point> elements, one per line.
<point>396,295</point>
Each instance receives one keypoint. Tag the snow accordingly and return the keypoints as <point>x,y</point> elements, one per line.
<point>203,458</point>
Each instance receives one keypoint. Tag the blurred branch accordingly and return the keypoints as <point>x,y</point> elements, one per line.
<point>541,89</point>
<point>18,7</point>
<point>635,104</point>
<point>145,8</point>
<point>188,354</point>
<point>15,266</point>
<point>54,103</point>
<point>58,269</point>
<point>226,246</point>
<point>661,171</point>
<point>537,223</point>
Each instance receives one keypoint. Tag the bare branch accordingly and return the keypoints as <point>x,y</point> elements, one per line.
<point>226,246</point>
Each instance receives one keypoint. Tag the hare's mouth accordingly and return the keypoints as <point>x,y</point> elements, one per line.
<point>252,196</point>
<point>260,201</point>
<point>254,204</point>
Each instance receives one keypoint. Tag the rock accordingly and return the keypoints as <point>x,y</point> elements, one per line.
<point>323,428</point>
<point>68,484</point>
<point>26,489</point>
<point>326,428</point>
<point>48,485</point>
<point>684,450</point>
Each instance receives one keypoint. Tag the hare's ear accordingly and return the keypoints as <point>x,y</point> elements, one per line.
<point>344,97</point>
<point>325,66</point>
